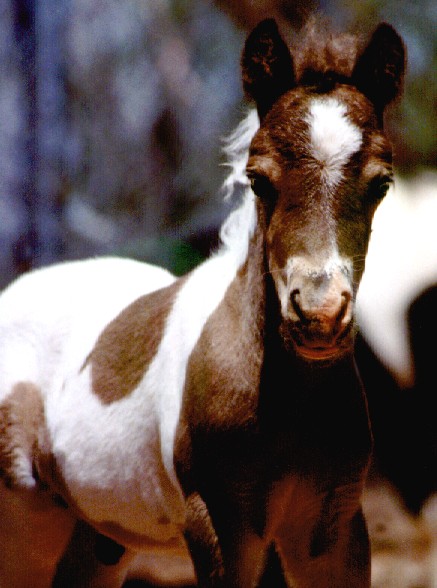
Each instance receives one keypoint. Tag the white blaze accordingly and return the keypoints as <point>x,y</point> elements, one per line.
<point>334,138</point>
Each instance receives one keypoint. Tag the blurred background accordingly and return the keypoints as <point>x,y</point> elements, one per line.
<point>112,115</point>
<point>112,119</point>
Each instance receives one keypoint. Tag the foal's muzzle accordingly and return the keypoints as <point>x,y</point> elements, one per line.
<point>319,317</point>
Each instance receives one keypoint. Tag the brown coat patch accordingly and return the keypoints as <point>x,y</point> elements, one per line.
<point>21,420</point>
<point>126,347</point>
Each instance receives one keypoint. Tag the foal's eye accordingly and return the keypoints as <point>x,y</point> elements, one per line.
<point>378,187</point>
<point>262,187</point>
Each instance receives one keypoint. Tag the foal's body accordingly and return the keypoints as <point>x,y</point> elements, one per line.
<point>111,459</point>
<point>221,411</point>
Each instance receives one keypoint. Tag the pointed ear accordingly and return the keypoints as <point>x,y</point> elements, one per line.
<point>267,66</point>
<point>379,70</point>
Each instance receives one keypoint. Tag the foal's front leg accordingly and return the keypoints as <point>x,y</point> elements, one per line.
<point>335,557</point>
<point>227,554</point>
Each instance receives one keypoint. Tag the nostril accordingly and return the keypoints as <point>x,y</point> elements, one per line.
<point>346,296</point>
<point>345,307</point>
<point>296,304</point>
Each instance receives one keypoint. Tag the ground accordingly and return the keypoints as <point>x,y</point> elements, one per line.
<point>404,547</point>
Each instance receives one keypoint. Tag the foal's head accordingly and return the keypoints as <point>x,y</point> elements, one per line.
<point>319,165</point>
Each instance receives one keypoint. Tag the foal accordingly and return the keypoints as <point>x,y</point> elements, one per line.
<point>221,411</point>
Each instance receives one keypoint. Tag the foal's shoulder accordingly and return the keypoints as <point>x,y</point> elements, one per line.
<point>128,344</point>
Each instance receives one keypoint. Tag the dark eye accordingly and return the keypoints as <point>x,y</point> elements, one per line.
<point>379,186</point>
<point>262,187</point>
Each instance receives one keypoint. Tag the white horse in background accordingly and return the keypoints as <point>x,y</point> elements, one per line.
<point>403,255</point>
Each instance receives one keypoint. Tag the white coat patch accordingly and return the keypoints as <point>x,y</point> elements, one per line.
<point>333,137</point>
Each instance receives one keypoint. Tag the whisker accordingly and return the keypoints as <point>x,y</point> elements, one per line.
<point>272,272</point>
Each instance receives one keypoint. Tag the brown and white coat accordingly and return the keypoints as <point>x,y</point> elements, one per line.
<point>221,411</point>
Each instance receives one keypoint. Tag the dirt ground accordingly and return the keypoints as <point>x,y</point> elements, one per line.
<point>404,547</point>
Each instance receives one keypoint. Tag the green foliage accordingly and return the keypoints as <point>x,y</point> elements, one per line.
<point>175,254</point>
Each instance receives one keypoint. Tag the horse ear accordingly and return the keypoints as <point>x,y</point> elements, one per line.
<point>267,66</point>
<point>379,70</point>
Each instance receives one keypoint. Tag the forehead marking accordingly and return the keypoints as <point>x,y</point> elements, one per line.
<point>334,138</point>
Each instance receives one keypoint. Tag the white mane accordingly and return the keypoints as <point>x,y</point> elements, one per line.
<point>240,224</point>
<point>237,151</point>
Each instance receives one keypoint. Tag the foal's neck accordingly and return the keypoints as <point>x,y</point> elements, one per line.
<point>298,399</point>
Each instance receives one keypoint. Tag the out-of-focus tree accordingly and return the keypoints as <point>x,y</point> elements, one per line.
<point>26,245</point>
<point>121,108</point>
<point>151,90</point>
<point>38,33</point>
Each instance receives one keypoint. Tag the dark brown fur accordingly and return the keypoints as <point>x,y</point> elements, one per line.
<point>251,452</point>
<point>317,48</point>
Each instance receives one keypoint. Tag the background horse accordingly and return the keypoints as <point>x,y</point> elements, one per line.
<point>397,325</point>
<point>403,252</point>
<point>220,412</point>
